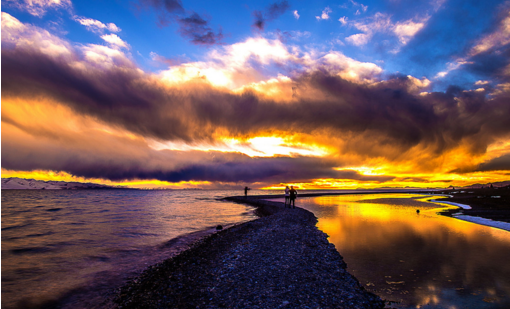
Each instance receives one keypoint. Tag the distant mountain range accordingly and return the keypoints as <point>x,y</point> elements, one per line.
<point>20,184</point>
<point>32,184</point>
<point>494,184</point>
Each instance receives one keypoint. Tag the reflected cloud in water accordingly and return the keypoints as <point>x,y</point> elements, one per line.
<point>417,260</point>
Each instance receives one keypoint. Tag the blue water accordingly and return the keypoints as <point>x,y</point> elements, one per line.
<point>71,247</point>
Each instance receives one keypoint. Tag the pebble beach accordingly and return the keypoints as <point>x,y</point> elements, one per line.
<point>280,260</point>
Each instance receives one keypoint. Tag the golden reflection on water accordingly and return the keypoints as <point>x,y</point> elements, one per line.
<point>417,259</point>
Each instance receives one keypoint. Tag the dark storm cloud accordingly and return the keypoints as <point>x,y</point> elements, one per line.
<point>498,164</point>
<point>119,159</point>
<point>193,26</point>
<point>385,113</point>
<point>271,13</point>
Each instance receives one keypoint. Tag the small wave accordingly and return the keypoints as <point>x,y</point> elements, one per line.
<point>14,227</point>
<point>100,258</point>
<point>54,209</point>
<point>30,250</point>
<point>40,234</point>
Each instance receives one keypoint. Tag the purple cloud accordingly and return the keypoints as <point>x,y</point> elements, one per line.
<point>274,11</point>
<point>192,27</point>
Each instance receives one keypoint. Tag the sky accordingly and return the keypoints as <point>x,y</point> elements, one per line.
<point>227,94</point>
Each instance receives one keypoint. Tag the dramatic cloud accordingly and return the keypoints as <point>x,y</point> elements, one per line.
<point>191,25</point>
<point>501,163</point>
<point>117,112</point>
<point>274,11</point>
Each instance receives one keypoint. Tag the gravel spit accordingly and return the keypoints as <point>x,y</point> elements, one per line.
<point>280,260</point>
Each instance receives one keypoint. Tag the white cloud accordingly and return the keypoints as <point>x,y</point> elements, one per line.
<point>350,69</point>
<point>325,14</point>
<point>95,25</point>
<point>358,39</point>
<point>406,30</point>
<point>343,20</point>
<point>113,28</point>
<point>380,22</point>
<point>30,37</point>
<point>296,15</point>
<point>364,7</point>
<point>498,38</point>
<point>481,82</point>
<point>39,7</point>
<point>437,4</point>
<point>114,40</point>
<point>451,66</point>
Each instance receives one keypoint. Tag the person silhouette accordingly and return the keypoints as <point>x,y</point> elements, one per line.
<point>287,196</point>
<point>246,191</point>
<point>292,196</point>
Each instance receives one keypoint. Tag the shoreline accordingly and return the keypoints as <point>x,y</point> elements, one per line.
<point>280,259</point>
<point>222,250</point>
<point>475,212</point>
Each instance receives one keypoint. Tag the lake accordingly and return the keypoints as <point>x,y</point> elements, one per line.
<point>416,260</point>
<point>72,248</point>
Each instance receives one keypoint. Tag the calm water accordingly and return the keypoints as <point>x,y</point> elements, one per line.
<point>417,260</point>
<point>75,245</point>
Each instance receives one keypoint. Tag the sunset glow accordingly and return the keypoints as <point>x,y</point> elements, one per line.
<point>344,98</point>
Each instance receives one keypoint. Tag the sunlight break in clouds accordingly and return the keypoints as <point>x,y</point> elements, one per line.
<point>257,111</point>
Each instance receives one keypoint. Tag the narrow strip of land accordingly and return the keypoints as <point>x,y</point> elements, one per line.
<point>278,260</point>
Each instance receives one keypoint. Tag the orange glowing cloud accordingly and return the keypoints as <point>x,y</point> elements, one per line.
<point>332,123</point>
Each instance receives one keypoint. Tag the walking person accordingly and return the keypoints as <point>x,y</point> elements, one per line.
<point>287,196</point>
<point>246,191</point>
<point>293,194</point>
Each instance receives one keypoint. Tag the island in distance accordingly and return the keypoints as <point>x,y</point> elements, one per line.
<point>24,184</point>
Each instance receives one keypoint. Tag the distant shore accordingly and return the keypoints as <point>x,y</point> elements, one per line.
<point>278,260</point>
<point>488,206</point>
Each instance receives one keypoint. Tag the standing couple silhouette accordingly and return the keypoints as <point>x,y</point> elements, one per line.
<point>290,196</point>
